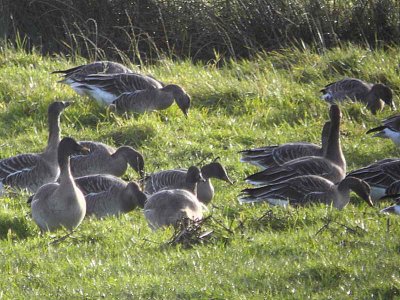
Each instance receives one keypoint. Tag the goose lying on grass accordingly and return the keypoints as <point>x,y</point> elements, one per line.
<point>308,189</point>
<point>273,156</point>
<point>176,179</point>
<point>168,207</point>
<point>390,129</point>
<point>32,170</point>
<point>56,205</point>
<point>373,95</point>
<point>107,195</point>
<point>104,159</point>
<point>332,165</point>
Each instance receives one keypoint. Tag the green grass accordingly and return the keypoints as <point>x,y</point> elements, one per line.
<point>256,251</point>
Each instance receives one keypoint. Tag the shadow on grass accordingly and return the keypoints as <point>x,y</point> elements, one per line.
<point>14,226</point>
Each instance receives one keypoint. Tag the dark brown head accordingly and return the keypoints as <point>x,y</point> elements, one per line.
<point>334,113</point>
<point>57,107</point>
<point>360,187</point>
<point>133,158</point>
<point>194,175</point>
<point>181,97</point>
<point>384,93</point>
<point>69,146</point>
<point>215,170</point>
<point>134,196</point>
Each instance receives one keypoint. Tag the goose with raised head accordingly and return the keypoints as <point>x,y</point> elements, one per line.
<point>390,129</point>
<point>273,156</point>
<point>70,76</point>
<point>332,165</point>
<point>168,207</point>
<point>141,101</point>
<point>32,170</point>
<point>105,88</point>
<point>176,179</point>
<point>56,205</point>
<point>104,159</point>
<point>107,195</point>
<point>308,189</point>
<point>379,175</point>
<point>375,96</point>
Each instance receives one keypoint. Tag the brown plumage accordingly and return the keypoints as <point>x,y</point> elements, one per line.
<point>375,96</point>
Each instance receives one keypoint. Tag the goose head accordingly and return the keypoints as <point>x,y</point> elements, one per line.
<point>181,97</point>
<point>360,187</point>
<point>334,113</point>
<point>384,93</point>
<point>215,170</point>
<point>69,146</point>
<point>133,158</point>
<point>194,175</point>
<point>133,196</point>
<point>57,107</point>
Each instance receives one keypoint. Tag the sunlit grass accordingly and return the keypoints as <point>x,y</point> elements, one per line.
<point>258,251</point>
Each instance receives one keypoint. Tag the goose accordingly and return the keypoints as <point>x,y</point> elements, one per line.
<point>105,88</point>
<point>107,195</point>
<point>56,205</point>
<point>331,166</point>
<point>104,159</point>
<point>141,101</point>
<point>389,130</point>
<point>175,179</point>
<point>70,76</point>
<point>273,156</point>
<point>379,175</point>
<point>373,95</point>
<point>32,170</point>
<point>168,207</point>
<point>307,189</point>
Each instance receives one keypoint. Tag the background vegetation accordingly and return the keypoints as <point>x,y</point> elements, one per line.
<point>256,251</point>
<point>144,30</point>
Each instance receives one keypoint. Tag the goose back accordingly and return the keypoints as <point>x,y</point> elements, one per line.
<point>104,159</point>
<point>108,195</point>
<point>272,156</point>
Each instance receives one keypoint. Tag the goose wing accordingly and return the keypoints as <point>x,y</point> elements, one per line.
<point>382,173</point>
<point>17,163</point>
<point>312,165</point>
<point>117,84</point>
<point>296,190</point>
<point>97,183</point>
<point>168,179</point>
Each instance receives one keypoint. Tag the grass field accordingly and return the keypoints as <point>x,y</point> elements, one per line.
<point>256,251</point>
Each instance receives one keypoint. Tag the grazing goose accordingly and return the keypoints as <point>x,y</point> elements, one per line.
<point>107,195</point>
<point>389,130</point>
<point>30,171</point>
<point>273,156</point>
<point>167,207</point>
<point>379,175</point>
<point>332,165</point>
<point>356,89</point>
<point>104,159</point>
<point>80,72</point>
<point>307,189</point>
<point>57,205</point>
<point>152,99</point>
<point>105,88</point>
<point>176,179</point>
